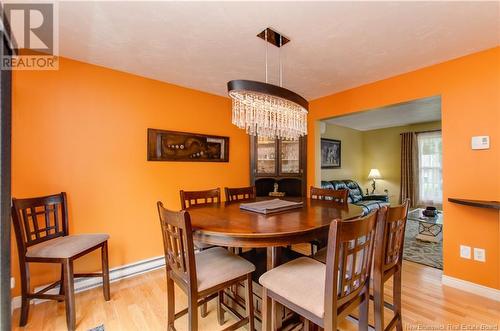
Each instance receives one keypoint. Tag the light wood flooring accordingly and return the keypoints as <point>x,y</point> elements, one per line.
<point>139,303</point>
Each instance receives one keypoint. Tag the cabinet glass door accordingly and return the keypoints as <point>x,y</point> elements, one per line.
<point>266,156</point>
<point>290,154</point>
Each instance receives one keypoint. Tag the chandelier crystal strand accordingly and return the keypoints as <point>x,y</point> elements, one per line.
<point>267,110</point>
<point>268,116</point>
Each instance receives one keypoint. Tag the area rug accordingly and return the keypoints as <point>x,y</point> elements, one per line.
<point>427,253</point>
<point>98,328</point>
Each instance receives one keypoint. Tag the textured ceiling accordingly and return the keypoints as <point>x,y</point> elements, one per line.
<point>417,111</point>
<point>334,45</point>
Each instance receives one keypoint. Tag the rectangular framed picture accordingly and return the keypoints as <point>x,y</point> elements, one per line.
<point>166,145</point>
<point>330,153</point>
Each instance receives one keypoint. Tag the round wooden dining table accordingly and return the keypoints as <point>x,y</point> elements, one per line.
<point>225,224</point>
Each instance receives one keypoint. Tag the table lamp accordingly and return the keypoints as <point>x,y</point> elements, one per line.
<point>374,174</point>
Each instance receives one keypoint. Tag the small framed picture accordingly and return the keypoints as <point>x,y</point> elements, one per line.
<point>330,153</point>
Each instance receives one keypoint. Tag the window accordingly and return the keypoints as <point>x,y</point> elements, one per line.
<point>430,179</point>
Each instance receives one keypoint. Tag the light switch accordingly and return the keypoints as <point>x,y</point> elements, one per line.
<point>480,142</point>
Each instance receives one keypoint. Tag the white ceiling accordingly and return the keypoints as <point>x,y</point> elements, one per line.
<point>417,111</point>
<point>334,45</point>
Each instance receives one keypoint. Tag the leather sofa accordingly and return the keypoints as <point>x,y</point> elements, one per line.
<point>356,197</point>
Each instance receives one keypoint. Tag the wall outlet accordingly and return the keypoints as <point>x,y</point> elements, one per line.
<point>12,282</point>
<point>465,252</point>
<point>480,254</point>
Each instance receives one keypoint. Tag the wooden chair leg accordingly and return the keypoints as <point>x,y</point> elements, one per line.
<point>378,302</point>
<point>105,271</point>
<point>204,310</point>
<point>170,304</point>
<point>25,289</point>
<point>363,310</point>
<point>249,302</point>
<point>277,313</point>
<point>220,310</point>
<point>61,284</point>
<point>266,311</point>
<point>69,290</point>
<point>308,325</point>
<point>397,300</point>
<point>193,312</point>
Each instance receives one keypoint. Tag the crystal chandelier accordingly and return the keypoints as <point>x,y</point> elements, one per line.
<point>267,110</point>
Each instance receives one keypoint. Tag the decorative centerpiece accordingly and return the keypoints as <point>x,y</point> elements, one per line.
<point>430,212</point>
<point>275,193</point>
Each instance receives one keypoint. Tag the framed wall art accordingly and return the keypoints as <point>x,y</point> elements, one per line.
<point>164,145</point>
<point>330,153</point>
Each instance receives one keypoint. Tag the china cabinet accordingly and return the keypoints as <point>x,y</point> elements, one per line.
<point>278,161</point>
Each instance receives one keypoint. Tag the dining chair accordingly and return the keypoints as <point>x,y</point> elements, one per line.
<point>200,198</point>
<point>42,235</point>
<point>202,276</point>
<point>324,294</point>
<point>237,194</point>
<point>338,197</point>
<point>197,198</point>
<point>388,261</point>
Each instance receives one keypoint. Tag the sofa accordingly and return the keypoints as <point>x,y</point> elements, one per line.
<point>356,196</point>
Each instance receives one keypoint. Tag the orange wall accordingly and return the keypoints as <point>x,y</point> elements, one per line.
<point>470,91</point>
<point>82,130</point>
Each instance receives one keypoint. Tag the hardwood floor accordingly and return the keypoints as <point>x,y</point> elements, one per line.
<point>139,303</point>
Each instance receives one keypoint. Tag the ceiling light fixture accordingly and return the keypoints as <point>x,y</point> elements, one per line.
<point>268,110</point>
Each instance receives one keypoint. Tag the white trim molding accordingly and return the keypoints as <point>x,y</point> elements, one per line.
<point>488,292</point>
<point>115,274</point>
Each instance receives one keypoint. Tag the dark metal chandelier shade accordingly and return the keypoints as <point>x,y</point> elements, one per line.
<point>265,88</point>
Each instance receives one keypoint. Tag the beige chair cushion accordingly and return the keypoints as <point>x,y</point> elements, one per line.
<point>217,265</point>
<point>65,247</point>
<point>301,281</point>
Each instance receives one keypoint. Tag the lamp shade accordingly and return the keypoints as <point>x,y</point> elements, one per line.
<point>374,174</point>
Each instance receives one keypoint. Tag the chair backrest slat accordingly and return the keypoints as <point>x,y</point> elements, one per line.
<point>339,197</point>
<point>240,193</point>
<point>39,219</point>
<point>390,237</point>
<point>178,245</point>
<point>348,262</point>
<point>194,198</point>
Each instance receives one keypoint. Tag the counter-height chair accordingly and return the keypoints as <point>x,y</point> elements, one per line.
<point>388,262</point>
<point>42,235</point>
<point>238,194</point>
<point>202,276</point>
<point>324,294</point>
<point>337,197</point>
<point>200,198</point>
<point>197,198</point>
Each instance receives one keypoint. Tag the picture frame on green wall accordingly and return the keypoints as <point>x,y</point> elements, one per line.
<point>330,153</point>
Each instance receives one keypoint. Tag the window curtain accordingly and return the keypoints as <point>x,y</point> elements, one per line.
<point>409,175</point>
<point>430,179</point>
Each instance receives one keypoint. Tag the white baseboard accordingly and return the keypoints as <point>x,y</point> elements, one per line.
<point>488,292</point>
<point>115,274</point>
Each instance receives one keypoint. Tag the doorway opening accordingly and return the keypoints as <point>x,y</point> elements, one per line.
<point>391,154</point>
